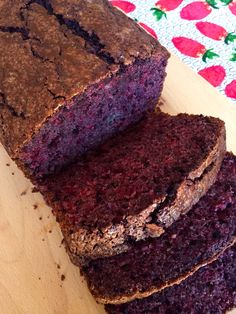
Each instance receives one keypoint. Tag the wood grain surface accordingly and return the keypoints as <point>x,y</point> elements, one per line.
<point>36,276</point>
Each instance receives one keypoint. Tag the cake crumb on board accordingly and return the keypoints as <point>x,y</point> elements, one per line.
<point>35,190</point>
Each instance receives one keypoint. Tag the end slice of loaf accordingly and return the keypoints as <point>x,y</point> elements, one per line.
<point>210,290</point>
<point>136,184</point>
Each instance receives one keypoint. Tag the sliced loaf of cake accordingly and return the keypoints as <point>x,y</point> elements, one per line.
<point>190,243</point>
<point>136,184</point>
<point>72,73</point>
<point>211,290</point>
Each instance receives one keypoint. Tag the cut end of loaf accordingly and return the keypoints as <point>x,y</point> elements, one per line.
<point>103,110</point>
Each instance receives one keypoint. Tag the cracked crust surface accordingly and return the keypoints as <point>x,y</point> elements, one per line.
<point>52,50</point>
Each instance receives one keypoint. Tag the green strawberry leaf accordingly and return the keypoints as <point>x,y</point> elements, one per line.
<point>230,38</point>
<point>158,13</point>
<point>226,2</point>
<point>233,56</point>
<point>209,54</point>
<point>212,3</point>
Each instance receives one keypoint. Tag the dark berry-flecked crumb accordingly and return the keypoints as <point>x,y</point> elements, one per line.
<point>198,236</point>
<point>35,206</point>
<point>23,193</point>
<point>211,290</point>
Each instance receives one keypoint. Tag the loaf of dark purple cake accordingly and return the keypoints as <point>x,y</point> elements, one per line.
<point>136,184</point>
<point>190,243</point>
<point>211,290</point>
<point>72,73</point>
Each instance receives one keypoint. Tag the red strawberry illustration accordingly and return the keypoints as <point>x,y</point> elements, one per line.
<point>162,6</point>
<point>193,48</point>
<point>125,6</point>
<point>147,28</point>
<point>198,10</point>
<point>215,31</point>
<point>230,89</point>
<point>232,7</point>
<point>214,74</point>
<point>231,4</point>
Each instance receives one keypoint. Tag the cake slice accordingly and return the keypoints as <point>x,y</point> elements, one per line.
<point>72,73</point>
<point>212,289</point>
<point>136,184</point>
<point>190,243</point>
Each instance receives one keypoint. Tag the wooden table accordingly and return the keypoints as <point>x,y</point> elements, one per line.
<point>36,276</point>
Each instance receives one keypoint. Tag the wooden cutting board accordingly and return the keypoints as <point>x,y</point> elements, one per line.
<point>36,276</point>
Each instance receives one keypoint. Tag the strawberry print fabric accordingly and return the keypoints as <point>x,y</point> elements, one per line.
<point>201,32</point>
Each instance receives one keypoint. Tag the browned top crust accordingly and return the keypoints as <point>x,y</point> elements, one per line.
<point>51,50</point>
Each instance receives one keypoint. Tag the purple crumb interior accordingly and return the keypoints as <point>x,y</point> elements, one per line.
<point>211,290</point>
<point>129,172</point>
<point>88,119</point>
<point>198,236</point>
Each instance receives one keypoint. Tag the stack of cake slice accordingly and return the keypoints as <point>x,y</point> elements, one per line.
<point>207,232</point>
<point>132,219</point>
<point>146,201</point>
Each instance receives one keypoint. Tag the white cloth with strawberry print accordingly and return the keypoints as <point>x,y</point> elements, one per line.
<point>201,32</point>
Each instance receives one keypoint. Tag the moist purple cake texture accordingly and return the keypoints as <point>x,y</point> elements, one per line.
<point>195,239</point>
<point>111,196</point>
<point>87,120</point>
<point>82,71</point>
<point>211,290</point>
